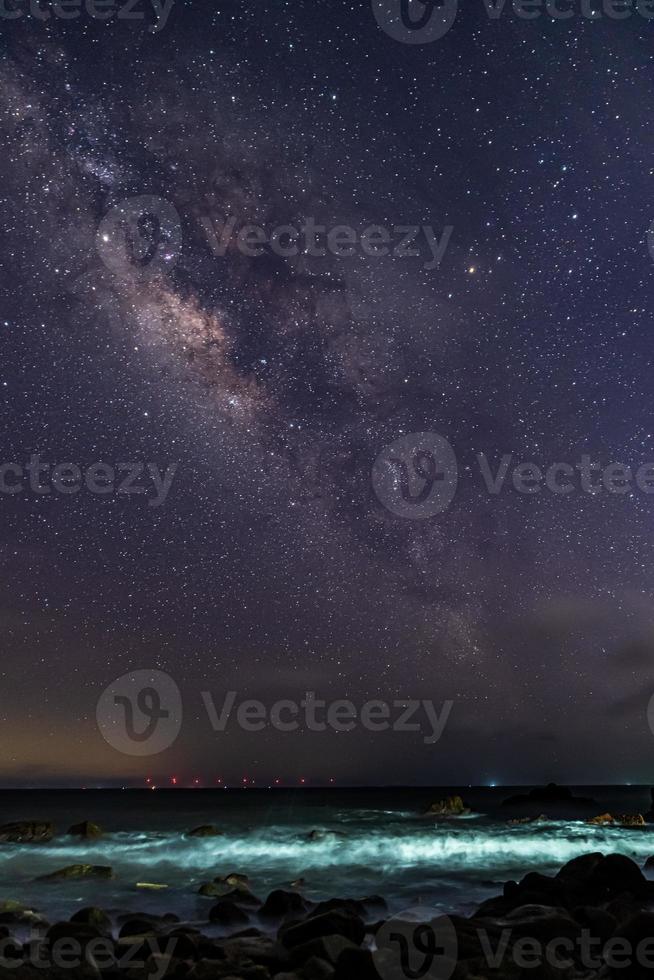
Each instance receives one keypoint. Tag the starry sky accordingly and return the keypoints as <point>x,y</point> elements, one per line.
<point>272,567</point>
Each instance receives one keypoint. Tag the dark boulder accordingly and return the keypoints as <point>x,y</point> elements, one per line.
<point>93,917</point>
<point>26,832</point>
<point>96,871</point>
<point>638,962</point>
<point>206,830</point>
<point>85,830</point>
<point>280,903</point>
<point>337,922</point>
<point>226,913</point>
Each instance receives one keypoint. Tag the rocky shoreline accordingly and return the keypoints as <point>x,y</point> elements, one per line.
<point>592,919</point>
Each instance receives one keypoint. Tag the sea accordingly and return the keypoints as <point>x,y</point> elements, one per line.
<point>371,842</point>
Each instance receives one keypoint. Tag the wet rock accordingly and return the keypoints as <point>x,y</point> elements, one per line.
<point>206,830</point>
<point>26,832</point>
<point>598,922</point>
<point>86,830</point>
<point>337,922</point>
<point>558,799</point>
<point>452,806</point>
<point>140,926</point>
<point>327,948</point>
<point>281,903</point>
<point>638,964</point>
<point>317,836</point>
<point>219,889</point>
<point>355,963</point>
<point>614,874</point>
<point>96,871</point>
<point>602,819</point>
<point>93,917</point>
<point>316,968</point>
<point>631,820</point>
<point>235,880</point>
<point>580,868</point>
<point>15,913</point>
<point>228,914</point>
<point>518,821</point>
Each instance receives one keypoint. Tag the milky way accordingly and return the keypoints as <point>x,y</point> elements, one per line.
<point>276,382</point>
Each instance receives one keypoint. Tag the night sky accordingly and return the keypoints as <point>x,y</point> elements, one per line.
<point>272,567</point>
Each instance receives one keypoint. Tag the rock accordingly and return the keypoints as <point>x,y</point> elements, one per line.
<point>15,913</point>
<point>356,963</point>
<point>210,889</point>
<point>78,931</point>
<point>143,925</point>
<point>86,830</point>
<point>597,921</point>
<point>151,886</point>
<point>206,830</point>
<point>80,871</point>
<point>26,832</point>
<point>602,819</point>
<point>517,821</point>
<point>559,800</point>
<point>631,820</point>
<point>649,864</point>
<point>580,868</point>
<point>453,806</point>
<point>317,969</point>
<point>636,930</point>
<point>235,880</point>
<point>93,917</point>
<point>615,874</point>
<point>280,903</point>
<point>228,914</point>
<point>218,889</point>
<point>337,922</point>
<point>328,948</point>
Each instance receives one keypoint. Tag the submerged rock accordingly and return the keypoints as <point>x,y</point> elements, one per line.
<point>452,806</point>
<point>559,801</point>
<point>206,830</point>
<point>79,871</point>
<point>26,832</point>
<point>86,830</point>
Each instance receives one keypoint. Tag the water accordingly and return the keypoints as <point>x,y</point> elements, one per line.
<point>388,849</point>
